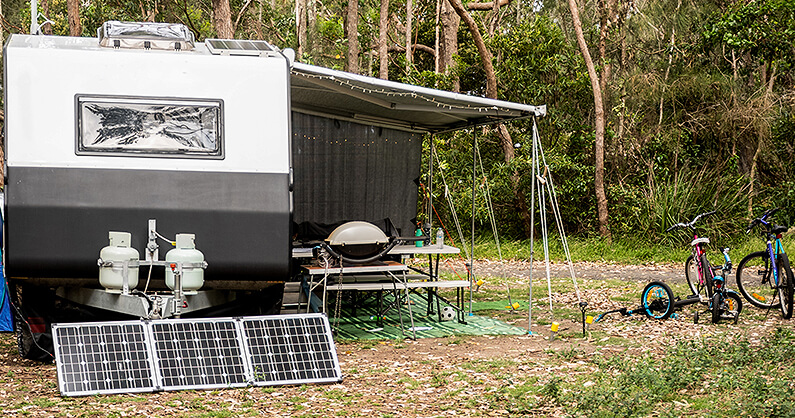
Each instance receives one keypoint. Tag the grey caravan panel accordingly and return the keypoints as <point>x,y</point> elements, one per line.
<point>58,218</point>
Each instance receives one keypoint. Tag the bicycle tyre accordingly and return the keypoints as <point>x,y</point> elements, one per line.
<point>715,307</point>
<point>734,306</point>
<point>753,281</point>
<point>691,274</point>
<point>657,300</point>
<point>785,286</point>
<point>706,269</point>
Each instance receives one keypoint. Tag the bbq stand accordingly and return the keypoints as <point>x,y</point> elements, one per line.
<point>390,276</point>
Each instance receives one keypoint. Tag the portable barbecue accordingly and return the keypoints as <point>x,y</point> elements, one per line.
<point>358,242</point>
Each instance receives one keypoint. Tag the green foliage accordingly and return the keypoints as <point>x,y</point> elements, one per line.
<point>698,96</point>
<point>763,28</point>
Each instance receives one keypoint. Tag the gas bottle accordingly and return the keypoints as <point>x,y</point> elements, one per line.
<point>186,252</point>
<point>118,251</point>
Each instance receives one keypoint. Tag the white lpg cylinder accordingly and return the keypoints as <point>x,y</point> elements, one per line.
<point>186,252</point>
<point>111,277</point>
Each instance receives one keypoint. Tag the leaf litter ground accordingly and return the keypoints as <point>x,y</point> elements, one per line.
<point>495,376</point>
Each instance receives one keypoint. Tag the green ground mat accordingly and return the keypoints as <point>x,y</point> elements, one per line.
<point>364,325</point>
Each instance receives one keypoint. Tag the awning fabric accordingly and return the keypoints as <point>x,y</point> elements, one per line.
<point>337,94</point>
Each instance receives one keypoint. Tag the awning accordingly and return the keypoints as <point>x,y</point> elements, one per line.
<point>337,94</point>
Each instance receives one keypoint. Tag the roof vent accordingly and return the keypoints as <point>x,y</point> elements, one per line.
<point>145,35</point>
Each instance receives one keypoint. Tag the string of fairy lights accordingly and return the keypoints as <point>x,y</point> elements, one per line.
<point>353,142</point>
<point>392,93</point>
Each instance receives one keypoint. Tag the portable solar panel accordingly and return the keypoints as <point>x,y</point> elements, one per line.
<point>291,349</point>
<point>209,353</point>
<point>198,354</point>
<point>104,357</point>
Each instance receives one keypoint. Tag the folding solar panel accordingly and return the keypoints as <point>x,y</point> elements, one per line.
<point>208,353</point>
<point>198,354</point>
<point>105,357</point>
<point>291,349</point>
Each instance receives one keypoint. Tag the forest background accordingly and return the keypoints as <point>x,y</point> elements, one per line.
<point>657,110</point>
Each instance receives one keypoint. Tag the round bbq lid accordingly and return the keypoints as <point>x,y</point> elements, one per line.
<point>357,233</point>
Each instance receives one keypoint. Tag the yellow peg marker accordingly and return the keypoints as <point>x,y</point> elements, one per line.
<point>479,283</point>
<point>554,329</point>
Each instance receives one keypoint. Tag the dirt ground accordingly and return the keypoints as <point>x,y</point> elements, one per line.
<point>453,376</point>
<point>669,272</point>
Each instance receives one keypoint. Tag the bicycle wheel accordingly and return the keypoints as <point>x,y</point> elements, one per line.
<point>697,287</point>
<point>657,300</point>
<point>785,286</point>
<point>706,270</point>
<point>726,306</point>
<point>715,307</point>
<point>755,281</point>
<point>733,305</point>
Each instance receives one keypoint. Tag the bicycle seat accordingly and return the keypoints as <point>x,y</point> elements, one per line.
<point>779,229</point>
<point>697,241</point>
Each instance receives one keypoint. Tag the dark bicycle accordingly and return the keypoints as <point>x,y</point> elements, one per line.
<point>764,277</point>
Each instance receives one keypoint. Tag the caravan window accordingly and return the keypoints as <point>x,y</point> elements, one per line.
<point>149,126</point>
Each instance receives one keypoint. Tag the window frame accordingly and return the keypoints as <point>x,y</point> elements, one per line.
<point>81,100</point>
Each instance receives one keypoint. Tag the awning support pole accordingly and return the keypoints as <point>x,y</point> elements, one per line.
<point>472,242</point>
<point>532,234</point>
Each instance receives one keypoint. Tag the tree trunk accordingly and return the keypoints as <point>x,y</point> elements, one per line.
<point>300,26</point>
<point>436,36</point>
<point>485,54</point>
<point>352,27</point>
<point>383,55</point>
<point>73,13</point>
<point>448,44</point>
<point>147,13</point>
<point>311,16</point>
<point>258,28</point>
<point>605,12</point>
<point>222,19</point>
<point>599,156</point>
<point>46,28</point>
<point>409,17</point>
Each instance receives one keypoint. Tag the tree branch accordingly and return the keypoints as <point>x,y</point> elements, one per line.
<point>417,47</point>
<point>240,15</point>
<point>487,6</point>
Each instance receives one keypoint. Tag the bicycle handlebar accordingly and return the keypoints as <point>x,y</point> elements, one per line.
<point>762,219</point>
<point>679,225</point>
<point>693,222</point>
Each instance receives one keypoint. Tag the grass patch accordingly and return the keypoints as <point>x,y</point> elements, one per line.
<point>715,377</point>
<point>622,250</point>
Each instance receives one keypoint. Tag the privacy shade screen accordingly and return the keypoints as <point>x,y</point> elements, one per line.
<point>346,171</point>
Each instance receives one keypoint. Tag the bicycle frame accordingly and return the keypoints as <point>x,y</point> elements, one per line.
<point>699,257</point>
<point>726,269</point>
<point>772,251</point>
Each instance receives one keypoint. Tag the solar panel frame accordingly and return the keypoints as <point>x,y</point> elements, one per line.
<point>103,358</point>
<point>290,349</point>
<point>239,47</point>
<point>198,354</point>
<point>208,353</point>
